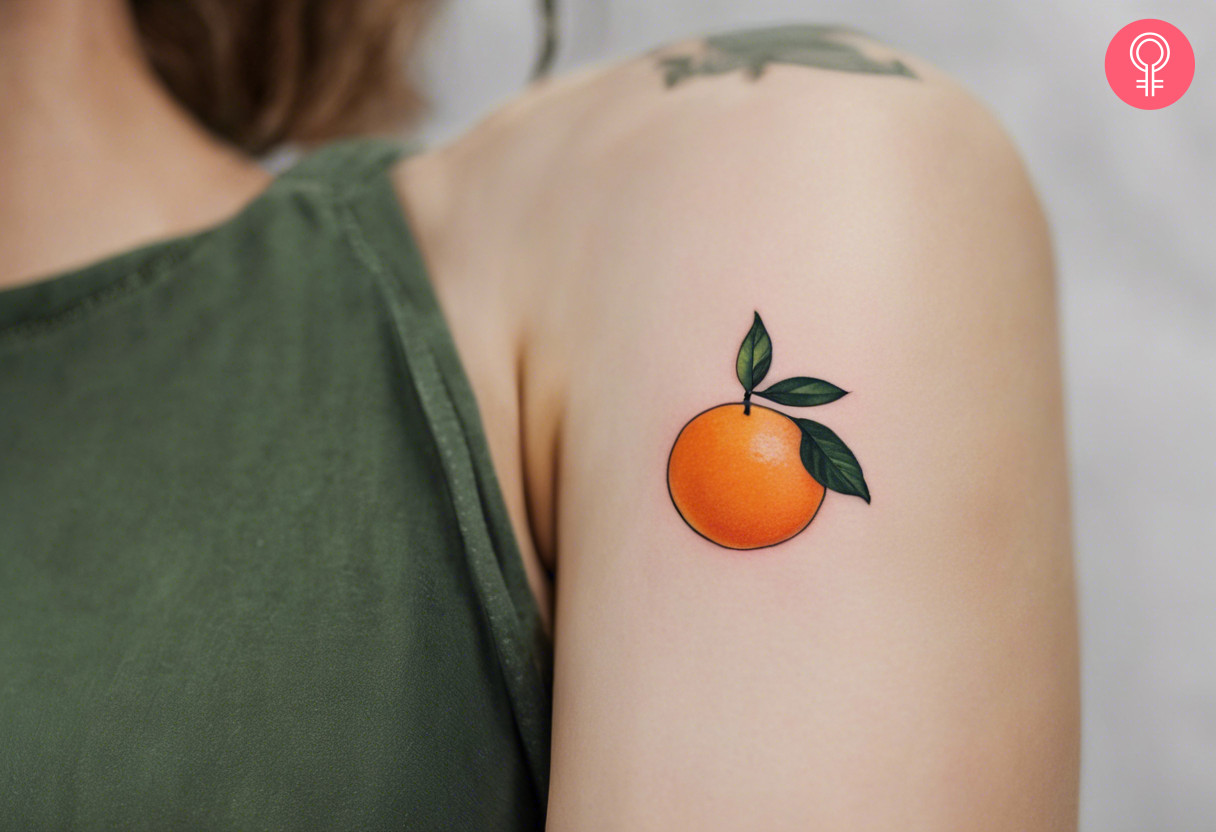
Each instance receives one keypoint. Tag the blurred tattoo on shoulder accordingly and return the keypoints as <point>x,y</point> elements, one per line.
<point>751,51</point>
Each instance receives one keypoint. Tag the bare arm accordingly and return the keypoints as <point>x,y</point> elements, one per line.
<point>904,663</point>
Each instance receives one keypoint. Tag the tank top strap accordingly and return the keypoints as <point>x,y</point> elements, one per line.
<point>368,208</point>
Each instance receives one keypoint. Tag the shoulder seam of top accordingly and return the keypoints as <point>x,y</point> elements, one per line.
<point>346,165</point>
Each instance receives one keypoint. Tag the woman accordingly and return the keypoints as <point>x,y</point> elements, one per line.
<point>302,479</point>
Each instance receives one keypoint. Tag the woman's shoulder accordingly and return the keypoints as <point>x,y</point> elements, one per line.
<point>798,166</point>
<point>649,225</point>
<point>741,139</point>
<point>815,112</point>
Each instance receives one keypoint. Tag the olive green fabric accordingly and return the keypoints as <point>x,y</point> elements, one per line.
<point>255,567</point>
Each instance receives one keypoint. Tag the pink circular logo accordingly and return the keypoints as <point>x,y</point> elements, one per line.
<point>1149,64</point>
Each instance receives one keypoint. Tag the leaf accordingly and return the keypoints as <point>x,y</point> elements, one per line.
<point>830,461</point>
<point>755,354</point>
<point>802,392</point>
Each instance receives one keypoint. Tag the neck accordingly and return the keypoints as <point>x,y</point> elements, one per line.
<point>95,157</point>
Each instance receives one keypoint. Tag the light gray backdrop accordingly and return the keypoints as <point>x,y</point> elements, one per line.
<point>1131,198</point>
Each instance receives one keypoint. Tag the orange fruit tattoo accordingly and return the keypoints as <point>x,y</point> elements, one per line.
<point>745,476</point>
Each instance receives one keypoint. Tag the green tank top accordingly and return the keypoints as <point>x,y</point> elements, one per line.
<point>255,568</point>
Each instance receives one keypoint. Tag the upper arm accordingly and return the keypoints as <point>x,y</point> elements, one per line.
<point>903,664</point>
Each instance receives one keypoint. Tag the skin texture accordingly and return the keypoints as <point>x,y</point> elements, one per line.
<point>911,664</point>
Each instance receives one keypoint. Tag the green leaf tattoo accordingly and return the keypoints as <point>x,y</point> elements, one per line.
<point>830,461</point>
<point>751,51</point>
<point>755,354</point>
<point>748,477</point>
<point>802,392</point>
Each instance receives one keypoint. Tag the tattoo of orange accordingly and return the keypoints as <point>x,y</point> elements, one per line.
<point>746,476</point>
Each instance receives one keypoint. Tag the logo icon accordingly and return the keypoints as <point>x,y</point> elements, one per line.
<point>1149,64</point>
<point>1150,83</point>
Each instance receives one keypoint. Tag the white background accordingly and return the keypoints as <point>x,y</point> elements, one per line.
<point>1130,195</point>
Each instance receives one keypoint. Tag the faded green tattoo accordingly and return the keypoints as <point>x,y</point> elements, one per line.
<point>753,50</point>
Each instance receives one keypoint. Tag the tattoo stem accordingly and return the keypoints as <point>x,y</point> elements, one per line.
<point>747,404</point>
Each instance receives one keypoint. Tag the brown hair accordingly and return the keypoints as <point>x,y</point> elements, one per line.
<point>262,72</point>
